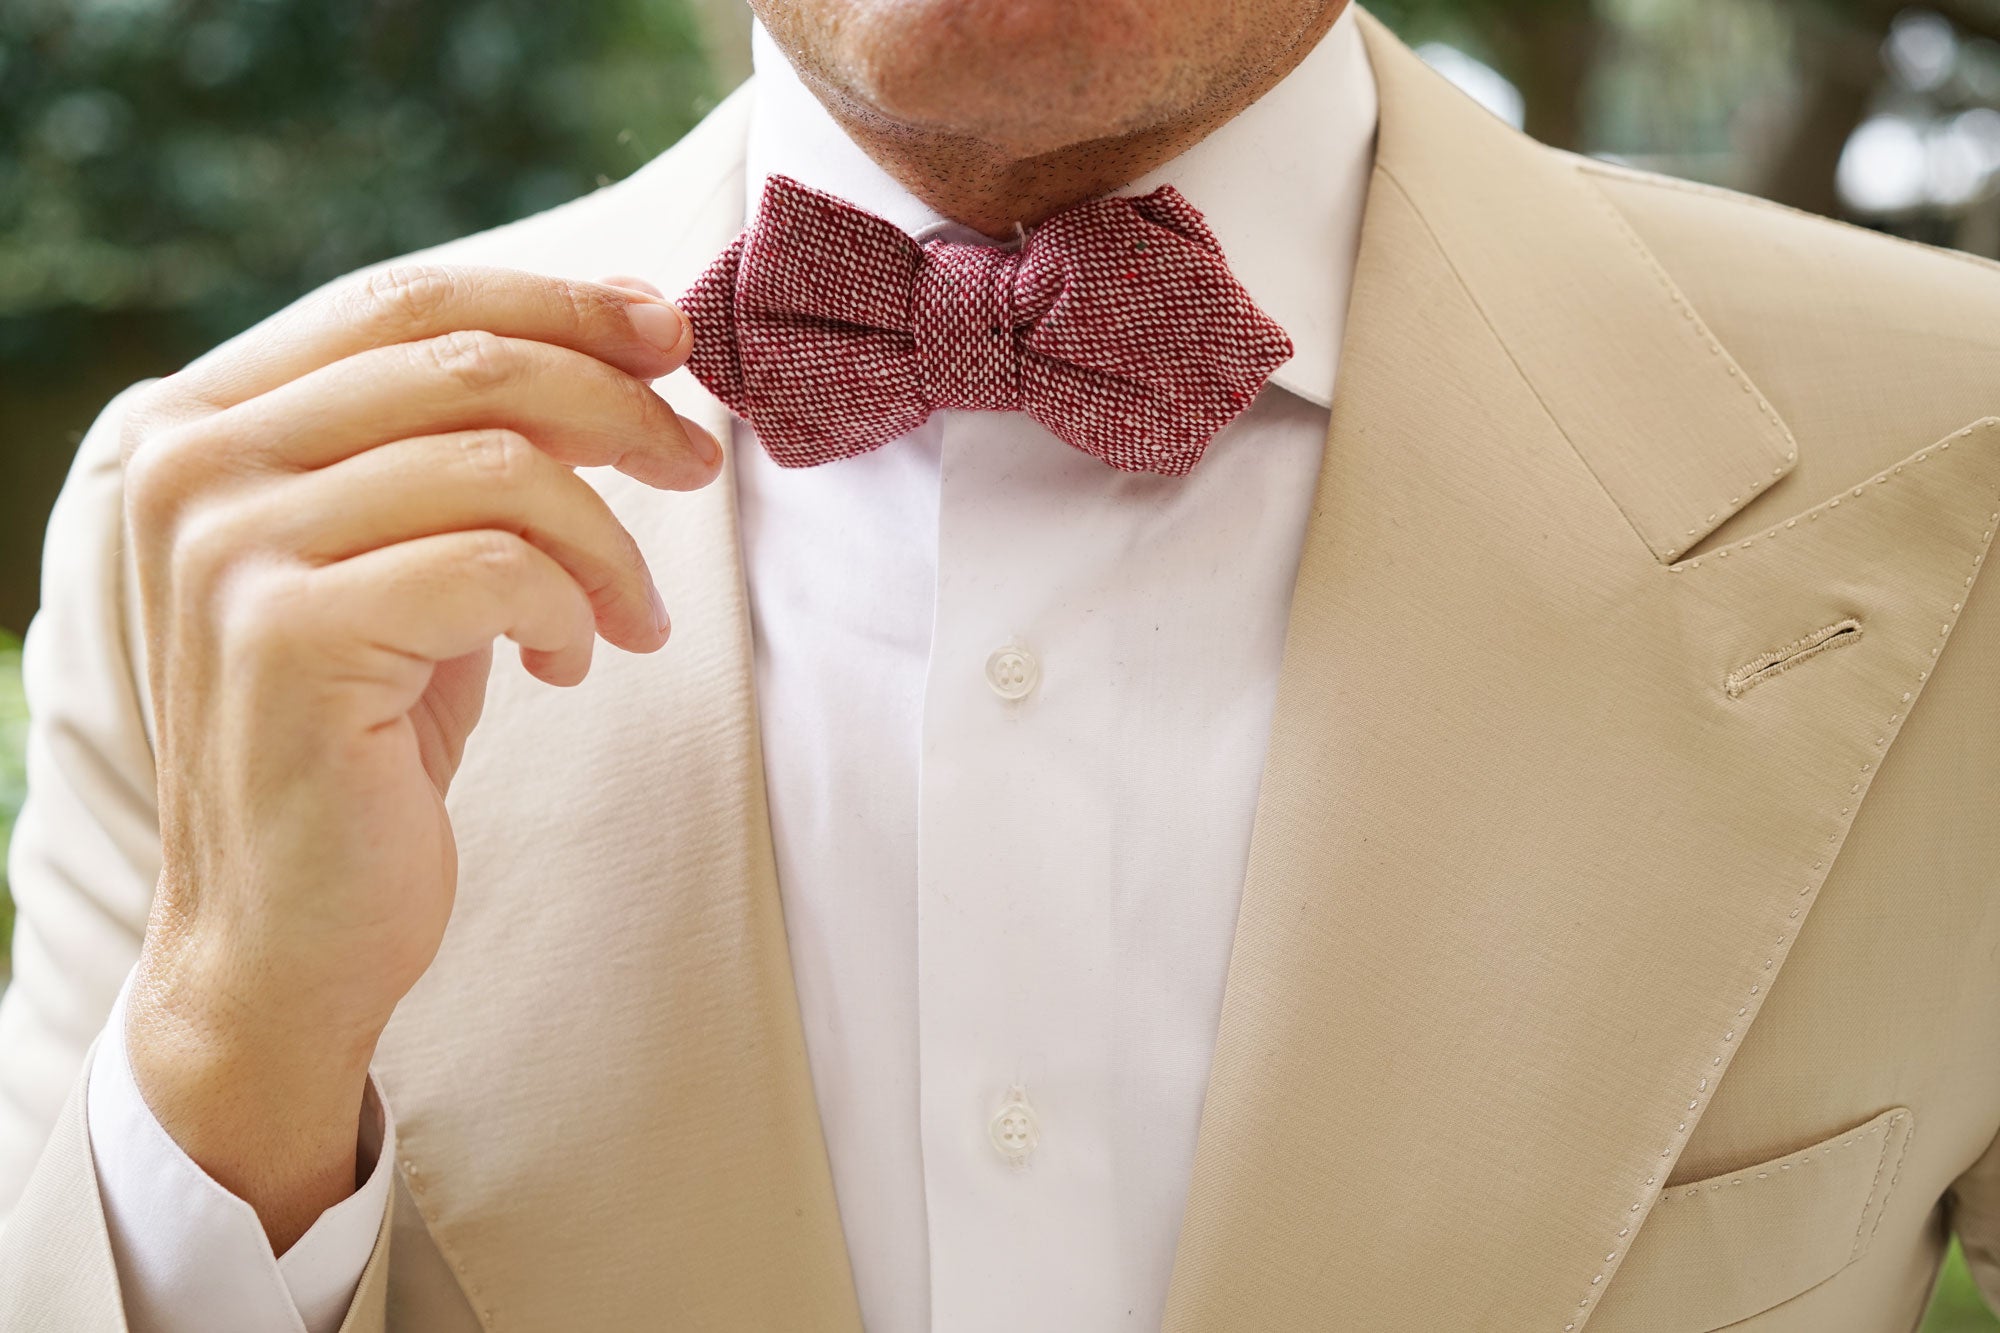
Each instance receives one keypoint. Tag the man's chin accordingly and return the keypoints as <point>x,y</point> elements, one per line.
<point>1034,76</point>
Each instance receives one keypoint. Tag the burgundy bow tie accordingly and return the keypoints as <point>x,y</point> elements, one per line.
<point>1116,325</point>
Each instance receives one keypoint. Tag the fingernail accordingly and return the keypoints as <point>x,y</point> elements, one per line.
<point>659,606</point>
<point>632,284</point>
<point>710,447</point>
<point>659,324</point>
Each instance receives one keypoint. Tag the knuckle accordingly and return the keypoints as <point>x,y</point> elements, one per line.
<point>594,309</point>
<point>474,359</point>
<point>207,540</point>
<point>501,555</point>
<point>404,297</point>
<point>616,570</point>
<point>264,615</point>
<point>503,457</point>
<point>631,561</point>
<point>144,417</point>
<point>133,431</point>
<point>160,476</point>
<point>648,411</point>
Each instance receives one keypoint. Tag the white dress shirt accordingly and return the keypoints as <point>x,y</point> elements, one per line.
<point>191,1255</point>
<point>1014,707</point>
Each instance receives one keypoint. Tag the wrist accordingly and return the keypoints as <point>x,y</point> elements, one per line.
<point>235,1004</point>
<point>266,1098</point>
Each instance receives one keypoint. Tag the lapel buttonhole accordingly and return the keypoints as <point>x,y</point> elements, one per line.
<point>1783,659</point>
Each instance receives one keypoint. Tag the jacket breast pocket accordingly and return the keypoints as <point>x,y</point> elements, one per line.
<point>1716,1251</point>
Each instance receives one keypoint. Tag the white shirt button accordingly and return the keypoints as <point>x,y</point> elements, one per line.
<point>1015,1130</point>
<point>1012,671</point>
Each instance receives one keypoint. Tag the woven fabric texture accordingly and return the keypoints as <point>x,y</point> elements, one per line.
<point>1116,324</point>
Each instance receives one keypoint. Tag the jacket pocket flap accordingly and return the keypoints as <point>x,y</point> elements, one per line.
<point>1719,1250</point>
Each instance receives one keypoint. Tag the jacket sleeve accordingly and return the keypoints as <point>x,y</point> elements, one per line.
<point>86,849</point>
<point>56,1265</point>
<point>82,865</point>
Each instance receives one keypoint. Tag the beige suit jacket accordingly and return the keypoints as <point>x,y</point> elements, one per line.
<point>1621,940</point>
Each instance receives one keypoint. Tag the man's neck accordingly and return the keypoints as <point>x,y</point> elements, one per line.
<point>991,189</point>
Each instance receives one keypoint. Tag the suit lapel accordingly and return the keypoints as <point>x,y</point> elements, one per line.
<point>605,1112</point>
<point>1525,864</point>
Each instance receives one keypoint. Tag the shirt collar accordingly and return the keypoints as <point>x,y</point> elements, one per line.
<point>1282,185</point>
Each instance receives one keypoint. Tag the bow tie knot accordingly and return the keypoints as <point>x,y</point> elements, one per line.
<point>1116,325</point>
<point>962,322</point>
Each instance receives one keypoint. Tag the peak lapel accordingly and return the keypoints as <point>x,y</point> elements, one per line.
<point>1658,410</point>
<point>1525,865</point>
<point>605,1111</point>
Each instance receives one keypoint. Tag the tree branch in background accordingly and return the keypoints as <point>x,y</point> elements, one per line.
<point>1548,51</point>
<point>1980,18</point>
<point>1839,67</point>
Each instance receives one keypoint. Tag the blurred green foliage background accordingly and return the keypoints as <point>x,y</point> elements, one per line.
<point>172,170</point>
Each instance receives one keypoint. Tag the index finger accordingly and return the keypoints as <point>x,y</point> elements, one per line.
<point>632,329</point>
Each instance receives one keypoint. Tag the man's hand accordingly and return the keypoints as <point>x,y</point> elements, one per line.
<point>333,517</point>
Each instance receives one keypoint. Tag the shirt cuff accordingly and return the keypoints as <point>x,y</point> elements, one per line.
<point>191,1256</point>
